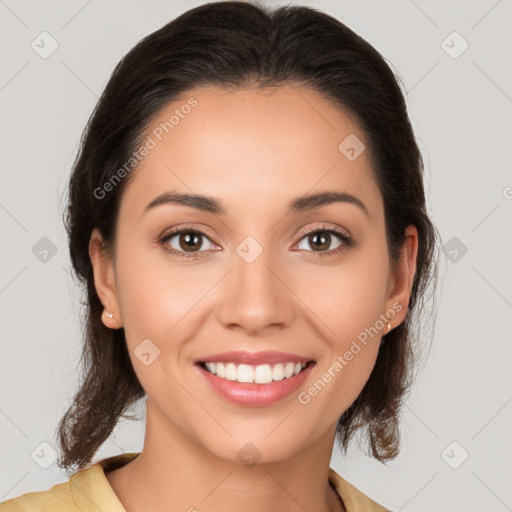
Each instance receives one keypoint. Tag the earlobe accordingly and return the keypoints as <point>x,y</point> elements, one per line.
<point>104,280</point>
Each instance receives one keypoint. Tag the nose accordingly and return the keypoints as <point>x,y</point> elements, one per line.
<point>255,296</point>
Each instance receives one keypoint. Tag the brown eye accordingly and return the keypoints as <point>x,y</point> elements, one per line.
<point>321,241</point>
<point>185,242</point>
<point>190,241</point>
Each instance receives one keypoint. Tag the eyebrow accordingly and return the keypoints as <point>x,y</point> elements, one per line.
<point>298,205</point>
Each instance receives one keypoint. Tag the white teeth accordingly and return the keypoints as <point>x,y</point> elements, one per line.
<point>211,368</point>
<point>261,374</point>
<point>245,373</point>
<point>278,372</point>
<point>288,370</point>
<point>231,372</point>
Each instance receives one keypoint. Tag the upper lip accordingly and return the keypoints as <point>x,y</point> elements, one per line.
<point>253,358</point>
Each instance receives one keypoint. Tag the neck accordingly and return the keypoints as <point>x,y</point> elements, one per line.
<point>172,473</point>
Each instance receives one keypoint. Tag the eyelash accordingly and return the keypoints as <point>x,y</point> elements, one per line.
<point>346,240</point>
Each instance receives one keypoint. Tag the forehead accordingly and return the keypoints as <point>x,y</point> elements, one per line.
<point>249,146</point>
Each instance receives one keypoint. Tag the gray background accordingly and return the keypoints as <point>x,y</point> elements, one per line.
<point>460,108</point>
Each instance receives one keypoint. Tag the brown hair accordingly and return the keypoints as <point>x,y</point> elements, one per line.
<point>238,44</point>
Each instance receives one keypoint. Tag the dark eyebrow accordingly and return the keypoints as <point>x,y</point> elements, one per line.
<point>312,201</point>
<point>300,204</point>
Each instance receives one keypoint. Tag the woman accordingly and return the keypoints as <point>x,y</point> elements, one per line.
<point>248,216</point>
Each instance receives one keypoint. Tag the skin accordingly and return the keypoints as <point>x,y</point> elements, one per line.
<point>255,151</point>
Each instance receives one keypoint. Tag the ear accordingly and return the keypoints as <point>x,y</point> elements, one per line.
<point>400,284</point>
<point>104,279</point>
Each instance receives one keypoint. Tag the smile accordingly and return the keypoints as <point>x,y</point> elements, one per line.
<point>261,374</point>
<point>254,385</point>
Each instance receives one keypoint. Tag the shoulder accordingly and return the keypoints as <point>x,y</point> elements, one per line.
<point>58,498</point>
<point>353,499</point>
<point>89,485</point>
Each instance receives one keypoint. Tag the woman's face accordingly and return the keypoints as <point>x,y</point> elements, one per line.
<point>255,281</point>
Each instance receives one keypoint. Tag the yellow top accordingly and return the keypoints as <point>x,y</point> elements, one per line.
<point>88,490</point>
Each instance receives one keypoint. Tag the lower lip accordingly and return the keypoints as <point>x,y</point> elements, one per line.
<point>255,394</point>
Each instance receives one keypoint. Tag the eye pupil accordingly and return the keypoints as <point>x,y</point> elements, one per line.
<point>324,240</point>
<point>191,241</point>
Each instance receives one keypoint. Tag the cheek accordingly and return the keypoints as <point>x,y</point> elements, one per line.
<point>146,293</point>
<point>363,297</point>
<point>353,316</point>
<point>137,292</point>
<point>350,297</point>
<point>155,294</point>
<point>153,298</point>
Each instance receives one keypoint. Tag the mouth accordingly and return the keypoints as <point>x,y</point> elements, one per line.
<point>255,374</point>
<point>254,385</point>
